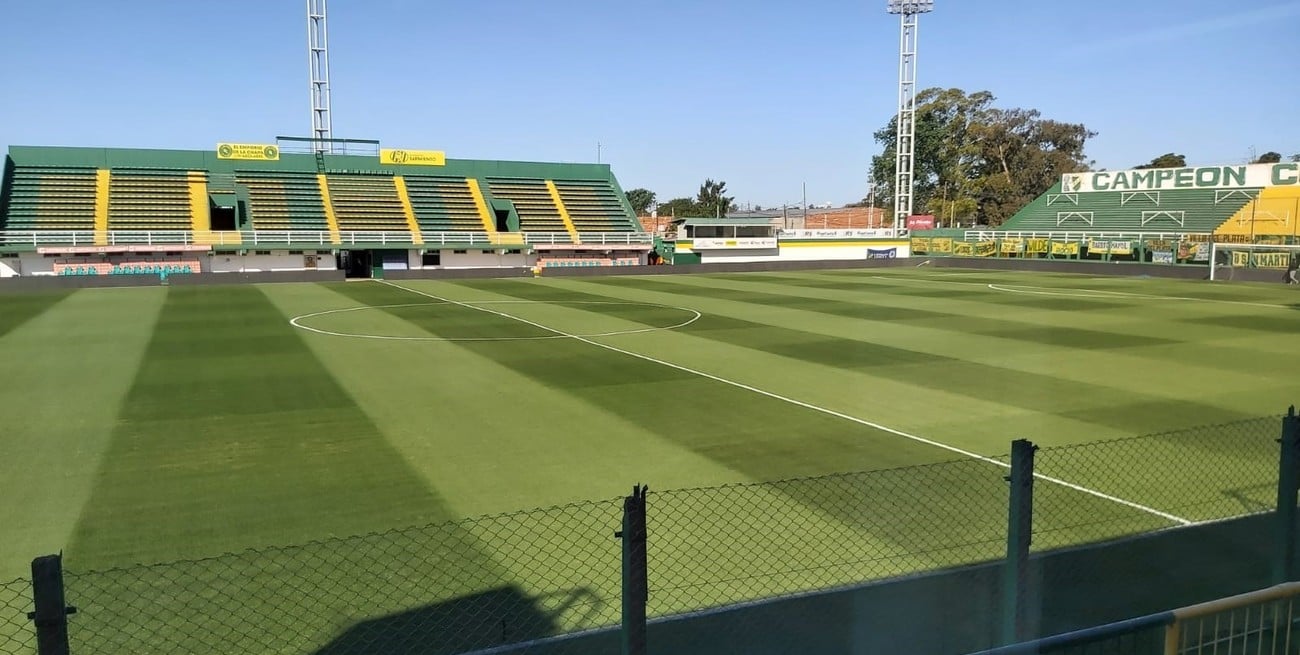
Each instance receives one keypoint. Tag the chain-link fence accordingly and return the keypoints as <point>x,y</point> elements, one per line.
<point>17,634</point>
<point>448,588</point>
<point>529,581</point>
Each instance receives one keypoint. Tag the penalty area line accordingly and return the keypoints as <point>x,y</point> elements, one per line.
<point>806,405</point>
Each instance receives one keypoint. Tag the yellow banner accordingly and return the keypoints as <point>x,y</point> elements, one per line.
<point>412,157</point>
<point>1012,246</point>
<point>251,151</point>
<point>1037,246</point>
<point>1068,249</point>
<point>1261,259</point>
<point>941,244</point>
<point>920,245</point>
<point>985,248</point>
<point>962,248</point>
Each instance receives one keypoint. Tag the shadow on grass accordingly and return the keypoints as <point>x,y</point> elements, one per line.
<point>506,615</point>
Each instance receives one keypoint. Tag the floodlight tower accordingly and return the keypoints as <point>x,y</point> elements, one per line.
<point>318,55</point>
<point>907,11</point>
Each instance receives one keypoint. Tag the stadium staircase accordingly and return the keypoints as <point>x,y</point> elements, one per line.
<point>283,200</point>
<point>151,199</point>
<point>1181,210</point>
<point>443,204</point>
<point>532,198</point>
<point>366,203</point>
<point>53,198</point>
<point>1273,212</point>
<point>595,206</point>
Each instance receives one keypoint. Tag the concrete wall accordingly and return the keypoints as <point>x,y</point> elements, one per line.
<point>796,252</point>
<point>278,260</point>
<point>482,259</point>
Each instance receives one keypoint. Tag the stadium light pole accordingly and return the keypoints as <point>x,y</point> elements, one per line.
<point>318,56</point>
<point>907,11</point>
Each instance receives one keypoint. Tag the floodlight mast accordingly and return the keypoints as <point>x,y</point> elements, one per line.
<point>318,55</point>
<point>904,146</point>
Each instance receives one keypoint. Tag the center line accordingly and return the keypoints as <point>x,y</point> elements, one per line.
<point>816,408</point>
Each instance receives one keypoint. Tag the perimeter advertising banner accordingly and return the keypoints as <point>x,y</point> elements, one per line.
<point>1205,177</point>
<point>399,157</point>
<point>941,244</point>
<point>920,222</point>
<point>1012,246</point>
<point>920,245</point>
<point>1037,246</point>
<point>248,151</point>
<point>986,248</point>
<point>962,248</point>
<point>739,243</point>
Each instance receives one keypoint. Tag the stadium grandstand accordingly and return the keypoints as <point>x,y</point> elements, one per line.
<point>1166,215</point>
<point>260,207</point>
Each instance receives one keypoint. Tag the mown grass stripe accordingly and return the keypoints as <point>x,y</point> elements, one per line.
<point>20,308</point>
<point>1103,405</point>
<point>233,435</point>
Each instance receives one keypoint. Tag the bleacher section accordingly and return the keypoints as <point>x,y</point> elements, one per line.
<point>51,198</point>
<point>532,199</point>
<point>284,200</point>
<point>110,197</point>
<point>594,206</point>
<point>1178,210</point>
<point>443,204</point>
<point>366,203</point>
<point>151,199</point>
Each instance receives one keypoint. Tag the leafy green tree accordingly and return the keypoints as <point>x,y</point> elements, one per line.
<point>1269,157</point>
<point>973,160</point>
<point>679,207</point>
<point>641,200</point>
<point>712,199</point>
<point>1167,160</point>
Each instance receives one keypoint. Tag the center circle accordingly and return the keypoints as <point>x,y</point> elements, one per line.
<point>301,320</point>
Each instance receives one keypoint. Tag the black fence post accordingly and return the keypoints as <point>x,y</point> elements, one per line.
<point>1020,523</point>
<point>636,591</point>
<point>51,615</point>
<point>1288,480</point>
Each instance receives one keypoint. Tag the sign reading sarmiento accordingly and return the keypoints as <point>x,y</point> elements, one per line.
<point>1206,177</point>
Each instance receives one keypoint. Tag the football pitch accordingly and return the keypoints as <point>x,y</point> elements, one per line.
<point>154,424</point>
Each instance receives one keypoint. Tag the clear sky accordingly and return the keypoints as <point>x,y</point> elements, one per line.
<point>764,94</point>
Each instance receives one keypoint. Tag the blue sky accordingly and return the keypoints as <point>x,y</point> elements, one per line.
<point>764,94</point>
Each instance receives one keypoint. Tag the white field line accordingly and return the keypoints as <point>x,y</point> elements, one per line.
<point>298,321</point>
<point>816,408</point>
<point>1079,292</point>
<point>1101,293</point>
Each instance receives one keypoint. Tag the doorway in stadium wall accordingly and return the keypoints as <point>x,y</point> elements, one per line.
<point>355,263</point>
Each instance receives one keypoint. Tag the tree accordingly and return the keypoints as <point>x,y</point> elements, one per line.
<point>975,160</point>
<point>679,207</point>
<point>641,200</point>
<point>1269,157</point>
<point>1167,160</point>
<point>1295,157</point>
<point>712,199</point>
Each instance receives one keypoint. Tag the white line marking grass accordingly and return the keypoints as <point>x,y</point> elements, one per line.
<point>816,408</point>
<point>299,321</point>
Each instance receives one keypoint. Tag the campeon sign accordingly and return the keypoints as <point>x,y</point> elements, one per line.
<point>1205,177</point>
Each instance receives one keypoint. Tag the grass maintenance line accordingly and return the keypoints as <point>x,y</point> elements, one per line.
<point>1103,293</point>
<point>817,408</point>
<point>298,321</point>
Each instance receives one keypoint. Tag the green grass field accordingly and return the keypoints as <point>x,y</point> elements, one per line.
<point>155,424</point>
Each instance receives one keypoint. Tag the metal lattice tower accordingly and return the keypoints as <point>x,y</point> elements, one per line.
<point>319,56</point>
<point>904,148</point>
